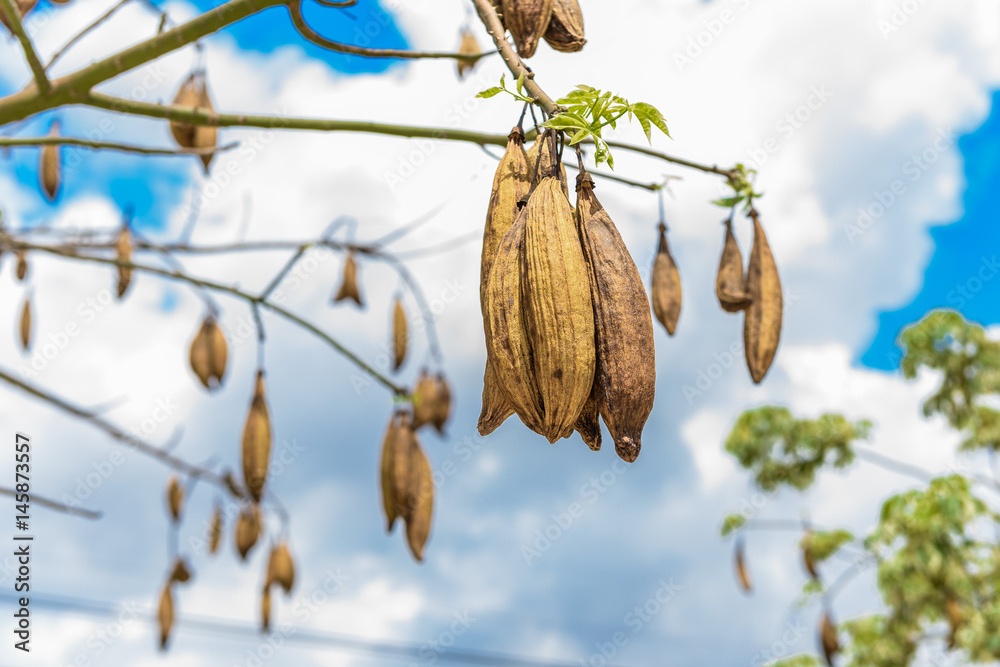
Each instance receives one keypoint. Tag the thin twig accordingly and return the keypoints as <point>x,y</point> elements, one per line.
<point>14,21</point>
<point>80,35</point>
<point>54,505</point>
<point>33,142</point>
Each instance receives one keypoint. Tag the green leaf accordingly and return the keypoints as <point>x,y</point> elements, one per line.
<point>728,202</point>
<point>732,522</point>
<point>490,92</point>
<point>520,84</point>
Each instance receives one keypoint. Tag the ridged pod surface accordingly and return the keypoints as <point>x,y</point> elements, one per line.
<point>396,437</point>
<point>565,31</point>
<point>255,448</point>
<point>730,283</point>
<point>544,167</point>
<point>123,253</point>
<point>527,21</point>
<point>400,336</point>
<point>625,368</point>
<point>193,92</point>
<point>431,401</point>
<point>349,282</point>
<point>666,292</point>
<point>50,167</point>
<point>558,309</point>
<point>762,323</point>
<point>208,354</point>
<point>420,501</point>
<point>510,184</point>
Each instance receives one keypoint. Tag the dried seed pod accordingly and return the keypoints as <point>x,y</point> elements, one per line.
<point>508,344</point>
<point>730,285</point>
<point>165,615</point>
<point>399,335</point>
<point>123,250</point>
<point>247,530</point>
<point>587,425</point>
<point>256,444</point>
<point>666,292</point>
<point>538,168</point>
<point>420,501</point>
<point>558,308</point>
<point>468,47</point>
<point>25,328</point>
<point>208,353</point>
<point>625,367</point>
<point>527,21</point>
<point>742,574</point>
<point>175,497</point>
<point>396,436</point>
<point>809,560</point>
<point>265,609</point>
<point>510,184</point>
<point>181,572</point>
<point>230,482</point>
<point>431,401</point>
<point>50,166</point>
<point>565,31</point>
<point>349,283</point>
<point>215,531</point>
<point>281,568</point>
<point>762,323</point>
<point>828,638</point>
<point>193,92</point>
<point>22,7</point>
<point>953,612</point>
<point>22,265</point>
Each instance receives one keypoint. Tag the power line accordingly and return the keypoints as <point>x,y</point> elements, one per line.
<point>336,641</point>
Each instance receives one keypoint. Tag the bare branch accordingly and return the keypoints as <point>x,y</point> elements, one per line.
<point>30,142</point>
<point>80,35</point>
<point>53,504</point>
<point>14,21</point>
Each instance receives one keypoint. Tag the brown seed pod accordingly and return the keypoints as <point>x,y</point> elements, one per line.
<point>431,401</point>
<point>22,7</point>
<point>22,265</point>
<point>208,353</point>
<point>193,92</point>
<point>248,529</point>
<point>625,367</point>
<point>265,609</point>
<point>762,322</point>
<point>809,560</point>
<point>565,31</point>
<point>50,166</point>
<point>215,531</point>
<point>255,448</point>
<point>508,344</point>
<point>510,184</point>
<point>24,327</point>
<point>123,251</point>
<point>281,568</point>
<point>558,309</point>
<point>953,612</point>
<point>175,498</point>
<point>828,638</point>
<point>730,285</point>
<point>420,501</point>
<point>666,292</point>
<point>396,436</point>
<point>742,574</point>
<point>468,47</point>
<point>165,615</point>
<point>588,425</point>
<point>181,572</point>
<point>349,283</point>
<point>527,21</point>
<point>537,169</point>
<point>230,482</point>
<point>399,335</point>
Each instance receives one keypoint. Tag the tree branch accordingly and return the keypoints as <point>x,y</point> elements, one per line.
<point>24,142</point>
<point>14,21</point>
<point>80,35</point>
<point>54,505</point>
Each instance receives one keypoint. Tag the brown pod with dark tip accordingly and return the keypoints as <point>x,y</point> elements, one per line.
<point>399,335</point>
<point>175,498</point>
<point>395,438</point>
<point>565,31</point>
<point>165,615</point>
<point>248,529</point>
<point>625,367</point>
<point>215,531</point>
<point>588,425</point>
<point>255,447</point>
<point>50,166</point>
<point>469,46</point>
<point>420,501</point>
<point>24,327</point>
<point>281,568</point>
<point>22,265</point>
<point>431,401</point>
<point>666,291</point>
<point>349,282</point>
<point>123,252</point>
<point>193,92</point>
<point>742,574</point>
<point>181,572</point>
<point>762,319</point>
<point>730,283</point>
<point>828,639</point>
<point>208,353</point>
<point>265,609</point>
<point>953,611</point>
<point>527,21</point>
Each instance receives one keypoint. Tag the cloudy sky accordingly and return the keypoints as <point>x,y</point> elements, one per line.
<point>870,124</point>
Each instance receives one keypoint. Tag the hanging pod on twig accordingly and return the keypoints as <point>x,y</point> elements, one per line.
<point>406,482</point>
<point>469,46</point>
<point>22,7</point>
<point>165,614</point>
<point>248,529</point>
<point>565,31</point>
<point>762,323</point>
<point>730,283</point>
<point>399,334</point>
<point>953,612</point>
<point>540,163</point>
<point>510,184</point>
<point>181,572</point>
<point>742,574</point>
<point>256,444</point>
<point>625,368</point>
<point>265,609</point>
<point>349,282</point>
<point>828,639</point>
<point>175,498</point>
<point>666,292</point>
<point>420,501</point>
<point>123,253</point>
<point>22,265</point>
<point>808,557</point>
<point>50,165</point>
<point>281,568</point>
<point>24,327</point>
<point>527,21</point>
<point>208,353</point>
<point>394,465</point>
<point>431,401</point>
<point>215,531</point>
<point>193,92</point>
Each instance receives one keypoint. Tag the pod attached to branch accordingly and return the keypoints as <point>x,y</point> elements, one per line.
<point>165,615</point>
<point>400,335</point>
<point>247,529</point>
<point>666,293</point>
<point>527,21</point>
<point>208,353</point>
<point>175,498</point>
<point>469,46</point>
<point>730,283</point>
<point>194,93</point>
<point>256,444</point>
<point>123,253</point>
<point>281,568</point>
<point>762,319</point>
<point>50,166</point>
<point>565,31</point>
<point>349,282</point>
